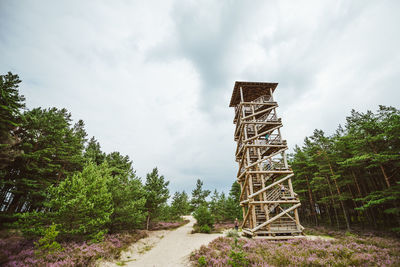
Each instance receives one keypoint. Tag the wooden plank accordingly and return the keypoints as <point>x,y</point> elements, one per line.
<point>276,171</point>
<point>275,202</point>
<point>259,103</point>
<point>287,237</point>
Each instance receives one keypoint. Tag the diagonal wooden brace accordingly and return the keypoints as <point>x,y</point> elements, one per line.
<point>276,217</point>
<point>271,185</point>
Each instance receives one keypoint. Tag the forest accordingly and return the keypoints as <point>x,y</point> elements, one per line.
<point>352,178</point>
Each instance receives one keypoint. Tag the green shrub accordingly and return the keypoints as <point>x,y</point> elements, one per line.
<point>237,257</point>
<point>202,261</point>
<point>232,233</point>
<point>205,229</point>
<point>48,244</point>
<point>203,216</point>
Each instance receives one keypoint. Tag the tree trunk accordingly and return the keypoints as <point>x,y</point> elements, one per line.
<point>148,222</point>
<point>381,167</point>
<point>14,204</point>
<point>341,201</point>
<point>333,203</point>
<point>312,202</point>
<point>385,175</point>
<point>356,182</point>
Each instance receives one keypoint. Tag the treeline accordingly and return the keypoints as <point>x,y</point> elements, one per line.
<point>51,174</point>
<point>352,177</point>
<point>220,208</point>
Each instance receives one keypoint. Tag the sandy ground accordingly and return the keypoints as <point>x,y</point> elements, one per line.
<point>164,248</point>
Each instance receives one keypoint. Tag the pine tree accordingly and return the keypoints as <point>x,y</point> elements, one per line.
<point>52,151</point>
<point>11,105</point>
<point>199,195</point>
<point>352,176</point>
<point>93,152</point>
<point>157,194</point>
<point>180,204</point>
<point>82,204</point>
<point>128,194</point>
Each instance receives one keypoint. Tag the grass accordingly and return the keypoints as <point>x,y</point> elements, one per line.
<point>145,249</point>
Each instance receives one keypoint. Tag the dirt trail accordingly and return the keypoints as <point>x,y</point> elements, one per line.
<point>164,248</point>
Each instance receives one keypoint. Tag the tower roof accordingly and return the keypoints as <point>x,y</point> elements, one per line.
<point>251,91</point>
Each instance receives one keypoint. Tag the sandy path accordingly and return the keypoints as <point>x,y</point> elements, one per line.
<point>165,248</point>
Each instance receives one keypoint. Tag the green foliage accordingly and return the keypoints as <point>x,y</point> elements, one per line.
<point>93,152</point>
<point>199,195</point>
<point>180,205</point>
<point>226,208</point>
<point>48,244</point>
<point>237,257</point>
<point>128,194</point>
<point>32,224</point>
<point>82,204</point>
<point>52,151</point>
<point>351,177</point>
<point>157,194</point>
<point>205,229</point>
<point>202,261</point>
<point>232,233</point>
<point>11,104</point>
<point>203,216</point>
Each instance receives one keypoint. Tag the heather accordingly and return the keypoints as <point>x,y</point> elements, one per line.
<point>168,225</point>
<point>347,251</point>
<point>18,251</point>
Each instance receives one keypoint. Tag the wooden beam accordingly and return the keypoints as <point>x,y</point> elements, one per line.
<point>244,186</point>
<point>257,113</point>
<point>247,232</point>
<point>245,217</point>
<point>276,217</point>
<point>264,159</point>
<point>261,134</point>
<point>271,185</point>
<point>255,103</point>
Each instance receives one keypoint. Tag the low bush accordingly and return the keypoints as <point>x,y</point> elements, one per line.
<point>167,225</point>
<point>203,216</point>
<point>232,233</point>
<point>343,251</point>
<point>48,244</point>
<point>205,229</point>
<point>18,251</point>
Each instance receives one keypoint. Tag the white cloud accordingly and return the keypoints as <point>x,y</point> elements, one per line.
<point>153,79</point>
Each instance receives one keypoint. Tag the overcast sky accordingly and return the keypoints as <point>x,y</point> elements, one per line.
<point>153,79</point>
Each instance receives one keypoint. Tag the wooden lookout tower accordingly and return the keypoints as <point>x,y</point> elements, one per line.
<point>267,198</point>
